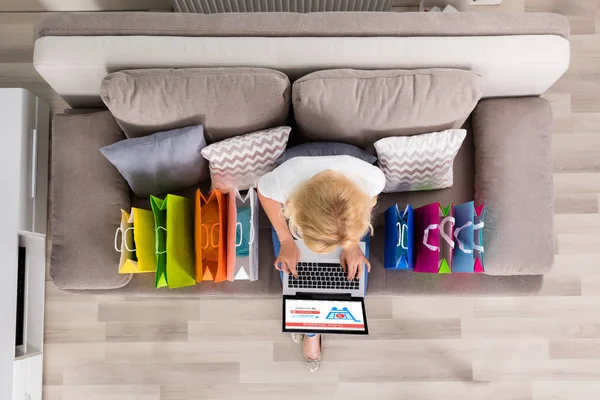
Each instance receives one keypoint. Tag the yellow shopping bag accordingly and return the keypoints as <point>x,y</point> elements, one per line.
<point>137,242</point>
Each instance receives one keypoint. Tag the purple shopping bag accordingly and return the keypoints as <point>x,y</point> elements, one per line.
<point>434,229</point>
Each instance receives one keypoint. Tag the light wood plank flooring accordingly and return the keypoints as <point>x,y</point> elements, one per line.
<point>545,347</point>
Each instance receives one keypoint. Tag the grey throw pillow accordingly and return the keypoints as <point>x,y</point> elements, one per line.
<point>319,149</point>
<point>161,163</point>
<point>360,107</point>
<point>226,101</point>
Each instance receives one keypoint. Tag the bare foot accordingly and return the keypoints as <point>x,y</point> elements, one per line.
<point>312,347</point>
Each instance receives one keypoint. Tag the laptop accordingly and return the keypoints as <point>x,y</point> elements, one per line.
<point>321,299</point>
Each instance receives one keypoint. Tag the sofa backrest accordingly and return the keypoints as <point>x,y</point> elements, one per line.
<point>515,54</point>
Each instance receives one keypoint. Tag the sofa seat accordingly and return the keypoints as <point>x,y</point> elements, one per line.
<point>380,280</point>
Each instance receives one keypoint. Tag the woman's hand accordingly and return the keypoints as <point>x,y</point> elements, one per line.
<point>288,257</point>
<point>352,260</point>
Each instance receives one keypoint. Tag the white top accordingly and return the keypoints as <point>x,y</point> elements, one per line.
<point>280,183</point>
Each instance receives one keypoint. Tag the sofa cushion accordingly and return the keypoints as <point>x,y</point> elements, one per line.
<point>361,107</point>
<point>420,162</point>
<point>514,173</point>
<point>161,163</point>
<point>226,101</point>
<point>320,149</point>
<point>239,162</point>
<point>87,195</point>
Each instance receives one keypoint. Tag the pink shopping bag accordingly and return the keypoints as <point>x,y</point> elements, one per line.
<point>434,229</point>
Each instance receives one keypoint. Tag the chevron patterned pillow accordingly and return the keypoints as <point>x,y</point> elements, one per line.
<point>239,162</point>
<point>421,162</point>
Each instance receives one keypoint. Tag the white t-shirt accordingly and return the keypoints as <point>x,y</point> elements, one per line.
<point>280,183</point>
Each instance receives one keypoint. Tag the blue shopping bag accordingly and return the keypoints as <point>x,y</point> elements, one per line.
<point>399,238</point>
<point>468,250</point>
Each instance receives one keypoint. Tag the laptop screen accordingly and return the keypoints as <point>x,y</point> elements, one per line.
<point>324,315</point>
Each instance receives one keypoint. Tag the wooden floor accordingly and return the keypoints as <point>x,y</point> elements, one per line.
<point>544,348</point>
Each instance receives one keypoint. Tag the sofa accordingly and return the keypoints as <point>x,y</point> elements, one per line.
<point>504,160</point>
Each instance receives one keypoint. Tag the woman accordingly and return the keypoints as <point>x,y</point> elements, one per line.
<point>327,202</point>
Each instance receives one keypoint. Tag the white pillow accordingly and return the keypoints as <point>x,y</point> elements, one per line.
<point>239,162</point>
<point>420,162</point>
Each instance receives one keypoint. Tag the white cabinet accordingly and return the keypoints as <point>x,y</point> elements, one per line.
<point>24,138</point>
<point>27,378</point>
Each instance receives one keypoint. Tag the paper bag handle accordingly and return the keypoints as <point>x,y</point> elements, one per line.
<point>118,250</point>
<point>123,239</point>
<point>426,237</point>
<point>443,234</point>
<point>251,240</point>
<point>156,240</point>
<point>401,235</point>
<point>211,235</point>
<point>477,227</point>
<point>207,239</point>
<point>461,245</point>
<point>241,233</point>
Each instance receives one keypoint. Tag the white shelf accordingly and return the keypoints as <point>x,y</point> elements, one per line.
<point>24,181</point>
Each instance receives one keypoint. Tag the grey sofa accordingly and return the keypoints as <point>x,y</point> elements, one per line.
<point>505,160</point>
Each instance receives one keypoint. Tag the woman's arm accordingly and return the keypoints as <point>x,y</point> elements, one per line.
<point>288,253</point>
<point>274,212</point>
<point>353,259</point>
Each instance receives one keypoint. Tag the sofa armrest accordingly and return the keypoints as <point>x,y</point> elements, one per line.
<point>87,193</point>
<point>513,176</point>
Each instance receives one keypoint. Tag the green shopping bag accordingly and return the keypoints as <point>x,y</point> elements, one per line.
<point>174,225</point>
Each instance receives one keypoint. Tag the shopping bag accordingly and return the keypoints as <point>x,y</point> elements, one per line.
<point>434,227</point>
<point>125,246</point>
<point>137,242</point>
<point>210,220</point>
<point>242,235</point>
<point>467,255</point>
<point>399,238</point>
<point>478,238</point>
<point>174,247</point>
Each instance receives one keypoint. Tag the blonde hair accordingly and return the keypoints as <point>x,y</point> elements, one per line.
<point>329,210</point>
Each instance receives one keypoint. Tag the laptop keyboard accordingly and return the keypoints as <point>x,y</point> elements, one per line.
<point>321,276</point>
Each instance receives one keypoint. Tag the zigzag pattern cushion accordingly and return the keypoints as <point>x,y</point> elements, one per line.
<point>239,162</point>
<point>421,162</point>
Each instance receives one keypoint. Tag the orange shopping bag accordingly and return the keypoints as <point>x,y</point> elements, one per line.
<point>210,234</point>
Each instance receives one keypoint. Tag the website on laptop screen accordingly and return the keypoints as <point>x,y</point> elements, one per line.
<point>324,316</point>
